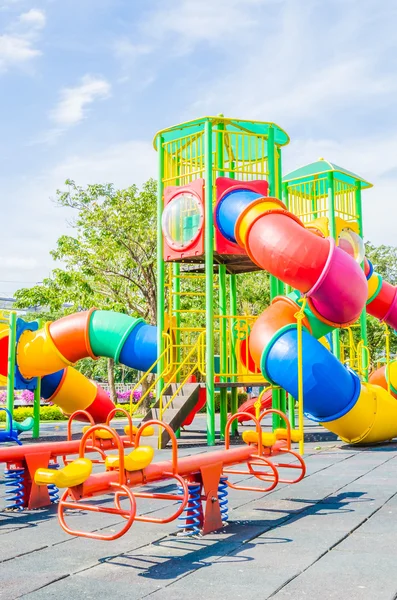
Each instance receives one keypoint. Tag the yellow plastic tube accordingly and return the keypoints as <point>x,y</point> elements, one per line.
<point>37,354</point>
<point>75,392</point>
<point>372,419</point>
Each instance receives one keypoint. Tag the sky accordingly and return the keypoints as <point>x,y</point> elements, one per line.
<point>85,84</point>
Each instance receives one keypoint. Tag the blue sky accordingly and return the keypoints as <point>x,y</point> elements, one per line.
<point>84,85</point>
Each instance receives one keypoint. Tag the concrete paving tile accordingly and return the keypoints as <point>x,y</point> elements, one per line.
<point>345,576</point>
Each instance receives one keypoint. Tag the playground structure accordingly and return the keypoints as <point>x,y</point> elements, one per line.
<point>220,215</point>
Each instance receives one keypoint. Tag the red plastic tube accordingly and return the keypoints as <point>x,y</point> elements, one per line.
<point>278,242</point>
<point>380,306</point>
<point>101,406</point>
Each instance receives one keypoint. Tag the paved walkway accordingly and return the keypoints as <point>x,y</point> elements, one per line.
<point>334,535</point>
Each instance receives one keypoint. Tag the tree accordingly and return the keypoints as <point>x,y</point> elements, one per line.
<point>384,260</point>
<point>109,261</point>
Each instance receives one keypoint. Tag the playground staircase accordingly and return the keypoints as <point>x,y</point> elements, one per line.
<point>178,410</point>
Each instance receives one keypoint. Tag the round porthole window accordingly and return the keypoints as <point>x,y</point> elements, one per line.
<point>182,221</point>
<point>352,243</point>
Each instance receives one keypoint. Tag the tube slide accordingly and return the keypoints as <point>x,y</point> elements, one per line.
<point>337,290</point>
<point>49,353</point>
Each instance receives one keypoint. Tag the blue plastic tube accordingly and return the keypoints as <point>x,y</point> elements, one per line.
<point>140,348</point>
<point>330,389</point>
<point>230,208</point>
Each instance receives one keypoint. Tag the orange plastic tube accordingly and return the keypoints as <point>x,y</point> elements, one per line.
<point>279,314</point>
<point>71,335</point>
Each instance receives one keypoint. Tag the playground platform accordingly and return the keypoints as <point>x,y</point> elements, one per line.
<point>334,535</point>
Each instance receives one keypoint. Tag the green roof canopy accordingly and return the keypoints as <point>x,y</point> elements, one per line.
<point>170,134</point>
<point>320,167</point>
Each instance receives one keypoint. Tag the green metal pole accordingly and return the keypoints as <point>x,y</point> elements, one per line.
<point>209,282</point>
<point>36,401</point>
<point>222,298</point>
<point>363,316</point>
<point>285,195</point>
<point>176,305</point>
<point>286,202</point>
<point>160,266</point>
<point>274,284</point>
<point>332,231</point>
<point>223,347</point>
<point>233,359</point>
<point>279,173</point>
<point>12,340</point>
<point>271,162</point>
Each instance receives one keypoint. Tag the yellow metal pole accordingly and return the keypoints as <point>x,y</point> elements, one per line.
<point>299,318</point>
<point>387,344</point>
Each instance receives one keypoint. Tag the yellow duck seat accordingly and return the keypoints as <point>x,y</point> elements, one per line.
<point>148,431</point>
<point>75,473</point>
<point>269,438</point>
<point>281,434</point>
<point>251,437</point>
<point>136,460</point>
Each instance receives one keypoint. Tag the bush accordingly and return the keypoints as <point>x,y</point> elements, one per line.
<point>48,413</point>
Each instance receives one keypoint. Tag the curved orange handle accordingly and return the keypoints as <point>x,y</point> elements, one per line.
<point>257,426</point>
<point>127,414</point>
<point>274,411</point>
<point>119,444</point>
<point>171,434</point>
<point>73,416</point>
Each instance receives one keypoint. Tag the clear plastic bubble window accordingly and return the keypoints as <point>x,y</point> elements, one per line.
<point>182,221</point>
<point>352,243</point>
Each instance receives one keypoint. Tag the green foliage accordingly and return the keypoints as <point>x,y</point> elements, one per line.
<point>242,397</point>
<point>47,413</point>
<point>50,413</point>
<point>384,260</point>
<point>110,261</point>
<point>253,292</point>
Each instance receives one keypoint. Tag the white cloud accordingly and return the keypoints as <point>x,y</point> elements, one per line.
<point>74,100</point>
<point>126,50</point>
<point>185,22</point>
<point>34,18</point>
<point>18,43</point>
<point>122,164</point>
<point>15,50</point>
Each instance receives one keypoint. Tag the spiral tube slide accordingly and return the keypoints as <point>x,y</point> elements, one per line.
<point>49,353</point>
<point>337,291</point>
<point>382,297</point>
<point>382,304</point>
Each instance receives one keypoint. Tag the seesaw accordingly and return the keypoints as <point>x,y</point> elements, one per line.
<point>202,478</point>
